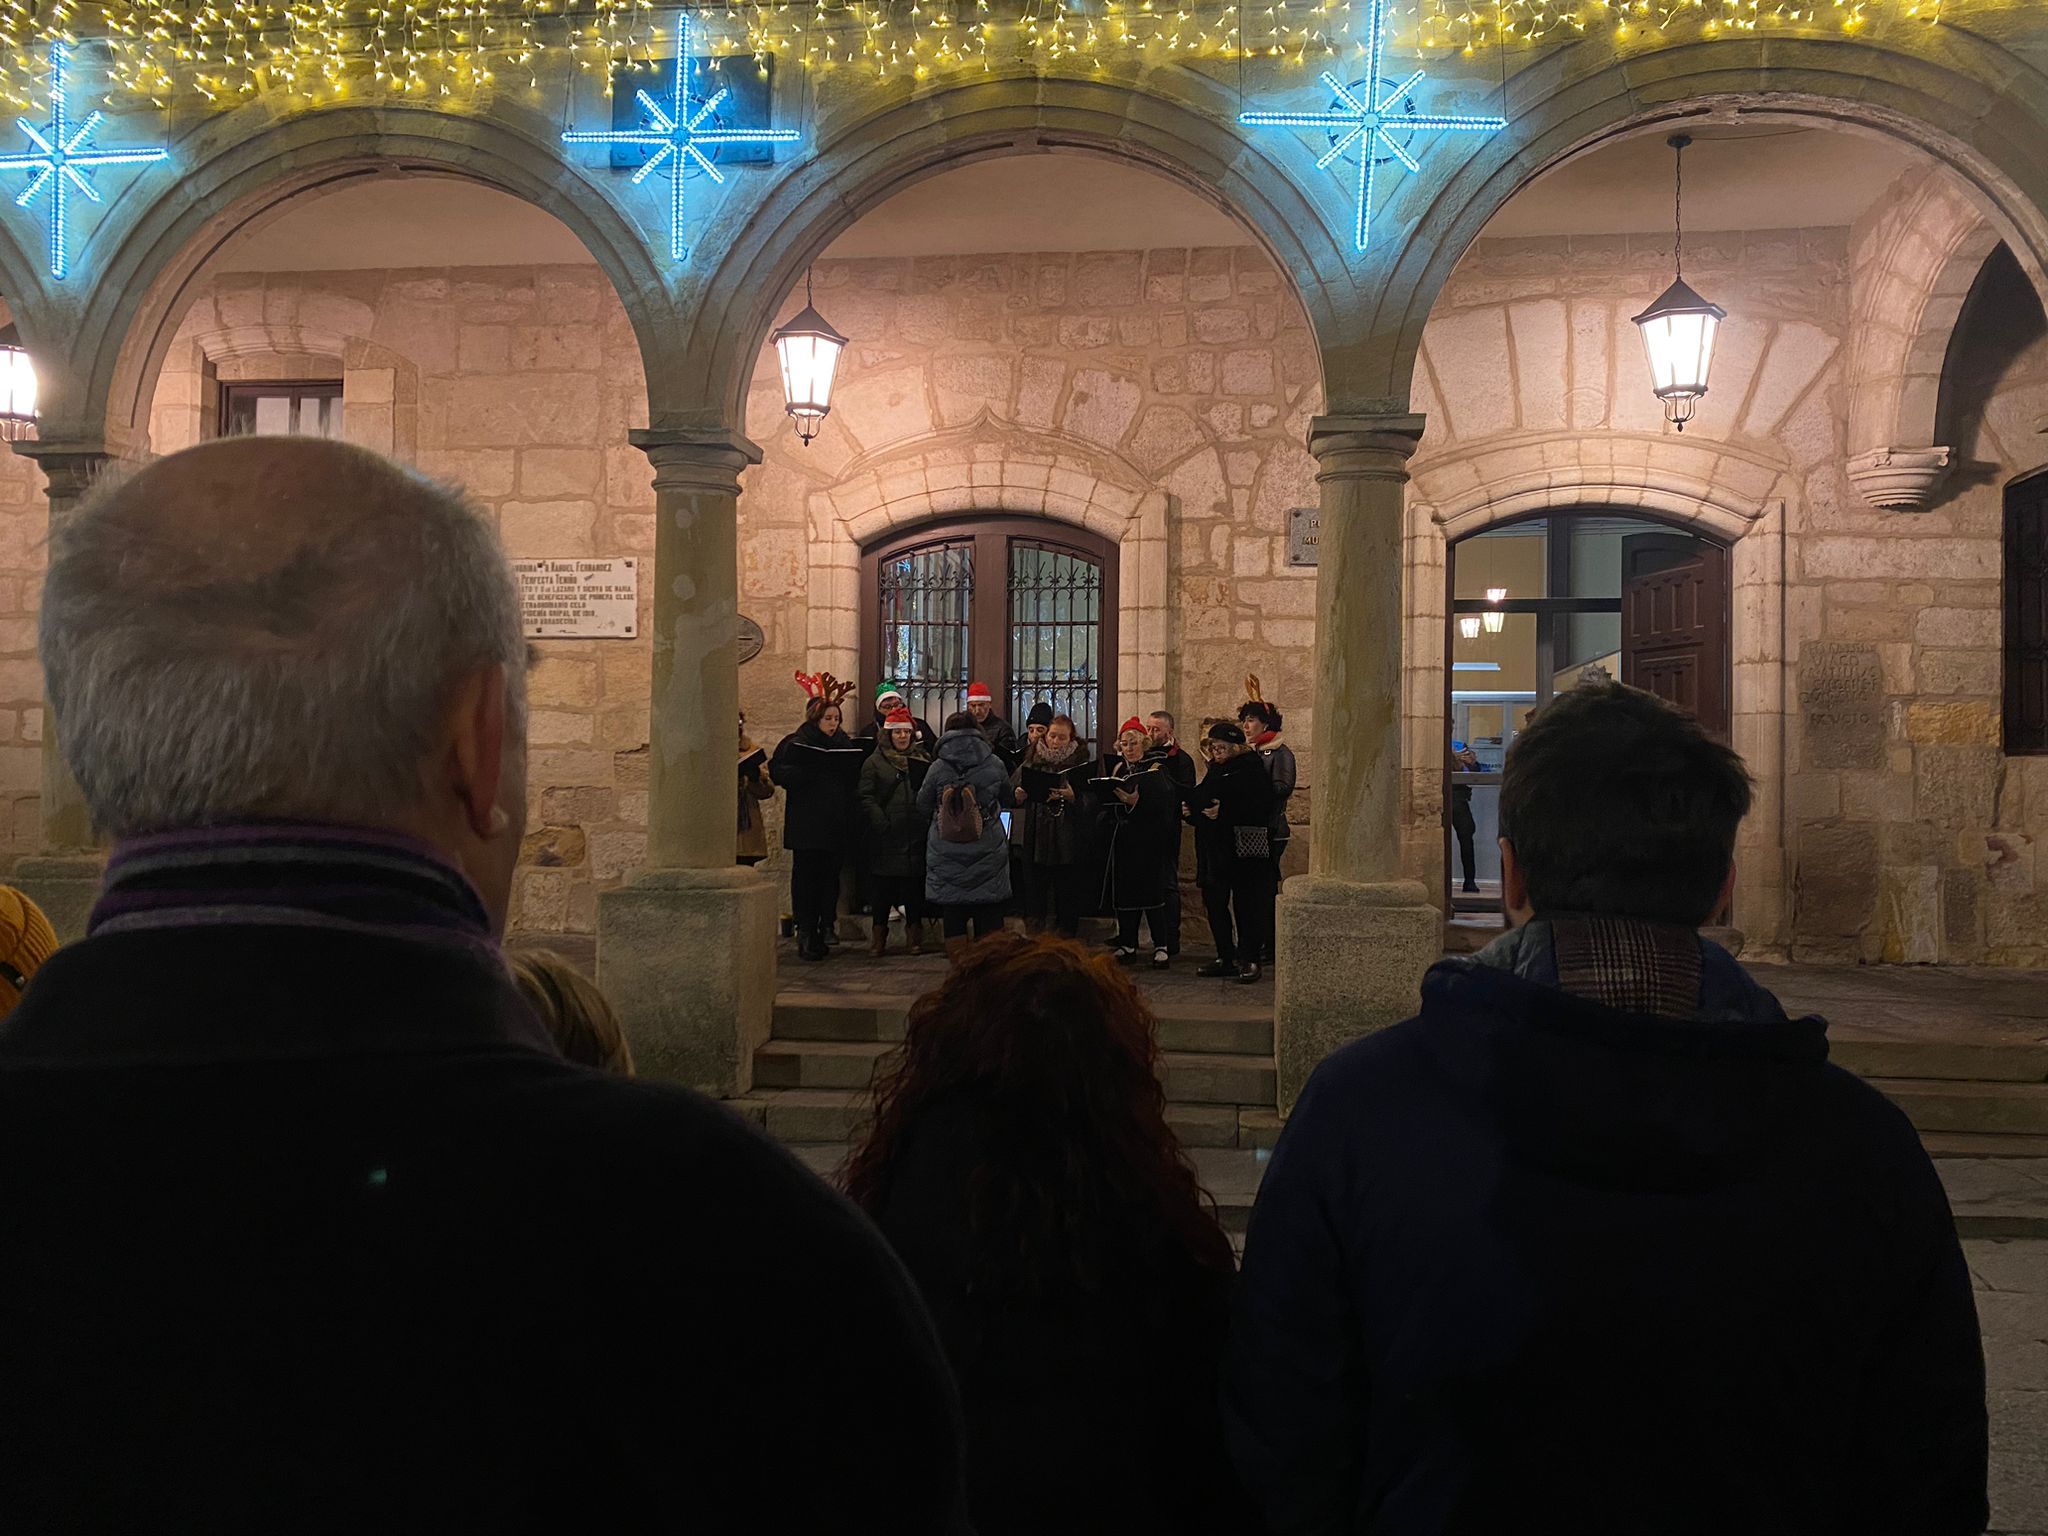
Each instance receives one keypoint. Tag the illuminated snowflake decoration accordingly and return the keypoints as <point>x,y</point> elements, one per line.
<point>678,136</point>
<point>64,163</point>
<point>1376,115</point>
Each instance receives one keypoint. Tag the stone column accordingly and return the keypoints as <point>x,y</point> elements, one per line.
<point>1354,936</point>
<point>64,877</point>
<point>686,949</point>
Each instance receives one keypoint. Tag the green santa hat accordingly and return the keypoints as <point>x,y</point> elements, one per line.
<point>886,690</point>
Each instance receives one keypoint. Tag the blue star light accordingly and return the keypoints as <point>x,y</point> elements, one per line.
<point>1371,112</point>
<point>675,131</point>
<point>64,164</point>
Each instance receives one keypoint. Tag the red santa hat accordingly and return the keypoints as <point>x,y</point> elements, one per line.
<point>977,693</point>
<point>1132,724</point>
<point>899,719</point>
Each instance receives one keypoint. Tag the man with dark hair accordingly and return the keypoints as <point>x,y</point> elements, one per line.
<point>1601,1242</point>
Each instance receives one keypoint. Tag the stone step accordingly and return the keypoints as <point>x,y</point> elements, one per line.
<point>1979,1108</point>
<point>1191,1077</point>
<point>818,1063</point>
<point>849,1017</point>
<point>1202,1077</point>
<point>1874,1056</point>
<point>806,1115</point>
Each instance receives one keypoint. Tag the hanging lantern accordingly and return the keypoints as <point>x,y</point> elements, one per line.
<point>17,388</point>
<point>809,349</point>
<point>1494,621</point>
<point>1678,330</point>
<point>1468,626</point>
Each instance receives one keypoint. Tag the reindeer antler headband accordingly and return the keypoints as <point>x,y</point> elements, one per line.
<point>823,685</point>
<point>1251,689</point>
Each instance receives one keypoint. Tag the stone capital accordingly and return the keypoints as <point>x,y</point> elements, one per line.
<point>696,462</point>
<point>1375,447</point>
<point>1899,479</point>
<point>69,467</point>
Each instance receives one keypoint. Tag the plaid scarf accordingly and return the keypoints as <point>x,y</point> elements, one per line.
<point>1637,967</point>
<point>292,874</point>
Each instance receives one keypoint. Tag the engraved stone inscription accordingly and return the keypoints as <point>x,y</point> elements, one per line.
<point>1841,699</point>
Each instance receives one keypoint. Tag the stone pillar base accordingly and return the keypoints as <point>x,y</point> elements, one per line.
<point>1348,961</point>
<point>687,956</point>
<point>65,886</point>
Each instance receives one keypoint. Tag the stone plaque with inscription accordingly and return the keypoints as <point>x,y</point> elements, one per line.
<point>579,599</point>
<point>1841,701</point>
<point>1304,529</point>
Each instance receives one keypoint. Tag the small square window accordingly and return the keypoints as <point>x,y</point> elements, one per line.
<point>309,409</point>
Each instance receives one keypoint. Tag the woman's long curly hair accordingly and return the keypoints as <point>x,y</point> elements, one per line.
<point>1076,1181</point>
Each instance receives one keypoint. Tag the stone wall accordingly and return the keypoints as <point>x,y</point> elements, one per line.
<point>518,384</point>
<point>1161,398</point>
<point>1913,835</point>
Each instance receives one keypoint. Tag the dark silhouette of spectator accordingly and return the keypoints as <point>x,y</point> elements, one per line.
<point>1021,1164</point>
<point>308,1227</point>
<point>577,1016</point>
<point>966,850</point>
<point>1601,1242</point>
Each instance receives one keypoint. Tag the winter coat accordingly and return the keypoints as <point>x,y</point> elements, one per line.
<point>1054,833</point>
<point>1144,839</point>
<point>296,1245</point>
<point>921,734</point>
<point>888,803</point>
<point>966,874</point>
<point>1241,787</point>
<point>1280,768</point>
<point>1528,1262</point>
<point>1087,1410</point>
<point>1002,741</point>
<point>819,812</point>
<point>753,828</point>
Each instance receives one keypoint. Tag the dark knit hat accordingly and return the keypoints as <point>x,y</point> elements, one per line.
<point>1223,730</point>
<point>1041,714</point>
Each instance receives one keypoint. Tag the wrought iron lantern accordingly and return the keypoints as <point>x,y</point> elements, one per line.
<point>17,388</point>
<point>809,349</point>
<point>1493,620</point>
<point>1679,328</point>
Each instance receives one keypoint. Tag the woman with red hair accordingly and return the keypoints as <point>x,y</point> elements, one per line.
<point>1021,1165</point>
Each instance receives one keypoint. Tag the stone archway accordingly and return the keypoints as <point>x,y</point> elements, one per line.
<point>991,467</point>
<point>237,173</point>
<point>1927,243</point>
<point>1191,142</point>
<point>1965,108</point>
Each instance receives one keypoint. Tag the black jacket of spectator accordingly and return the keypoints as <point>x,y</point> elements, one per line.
<point>821,809</point>
<point>1526,1263</point>
<point>310,1230</point>
<point>1086,1412</point>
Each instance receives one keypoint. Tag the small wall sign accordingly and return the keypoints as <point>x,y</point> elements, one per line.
<point>579,599</point>
<point>1304,530</point>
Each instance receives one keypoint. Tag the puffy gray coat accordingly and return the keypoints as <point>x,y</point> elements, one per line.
<point>966,874</point>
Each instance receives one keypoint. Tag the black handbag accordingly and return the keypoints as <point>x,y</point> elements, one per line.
<point>1255,843</point>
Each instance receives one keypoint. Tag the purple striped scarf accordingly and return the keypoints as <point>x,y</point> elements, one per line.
<point>295,874</point>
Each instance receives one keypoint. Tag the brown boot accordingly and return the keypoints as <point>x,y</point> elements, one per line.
<point>878,946</point>
<point>914,934</point>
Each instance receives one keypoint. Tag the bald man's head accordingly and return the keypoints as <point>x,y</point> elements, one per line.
<point>270,627</point>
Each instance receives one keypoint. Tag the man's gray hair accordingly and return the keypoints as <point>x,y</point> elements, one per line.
<point>267,659</point>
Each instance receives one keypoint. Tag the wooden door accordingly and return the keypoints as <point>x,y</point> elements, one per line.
<point>1674,623</point>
